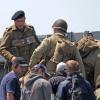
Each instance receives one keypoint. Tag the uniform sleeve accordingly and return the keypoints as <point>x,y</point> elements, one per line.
<point>11,85</point>
<point>79,59</point>
<point>39,53</point>
<point>5,44</point>
<point>97,66</point>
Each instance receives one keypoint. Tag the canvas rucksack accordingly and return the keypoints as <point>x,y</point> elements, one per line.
<point>64,51</point>
<point>85,46</point>
<point>78,93</point>
<point>80,90</point>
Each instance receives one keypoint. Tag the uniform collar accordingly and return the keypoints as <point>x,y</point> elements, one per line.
<point>60,34</point>
<point>15,28</point>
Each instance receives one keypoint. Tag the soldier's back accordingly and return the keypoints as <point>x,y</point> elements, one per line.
<point>45,51</point>
<point>65,50</point>
<point>51,66</point>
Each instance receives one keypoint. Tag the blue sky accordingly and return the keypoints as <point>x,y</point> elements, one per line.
<point>80,15</point>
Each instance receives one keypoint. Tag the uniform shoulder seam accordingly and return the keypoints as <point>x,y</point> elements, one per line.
<point>8,29</point>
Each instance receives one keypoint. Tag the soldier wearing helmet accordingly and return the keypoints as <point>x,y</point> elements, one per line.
<point>60,24</point>
<point>45,51</point>
<point>89,49</point>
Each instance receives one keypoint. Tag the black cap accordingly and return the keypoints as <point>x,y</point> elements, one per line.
<point>18,14</point>
<point>19,61</point>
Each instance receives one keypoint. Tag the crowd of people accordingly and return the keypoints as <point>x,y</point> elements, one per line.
<point>55,69</point>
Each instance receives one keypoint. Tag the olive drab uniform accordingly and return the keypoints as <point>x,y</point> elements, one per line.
<point>97,93</point>
<point>97,90</point>
<point>18,43</point>
<point>45,52</point>
<point>65,51</point>
<point>90,53</point>
<point>2,68</point>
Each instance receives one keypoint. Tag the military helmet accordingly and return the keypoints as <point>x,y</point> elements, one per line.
<point>60,24</point>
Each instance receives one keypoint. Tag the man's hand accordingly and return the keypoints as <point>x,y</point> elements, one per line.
<point>13,58</point>
<point>10,96</point>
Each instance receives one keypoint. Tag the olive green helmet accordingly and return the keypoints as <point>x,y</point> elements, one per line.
<point>60,24</point>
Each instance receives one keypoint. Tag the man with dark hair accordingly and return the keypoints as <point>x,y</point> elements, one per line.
<point>19,39</point>
<point>10,85</point>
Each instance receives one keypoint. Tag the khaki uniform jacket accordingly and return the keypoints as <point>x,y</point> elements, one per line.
<point>92,61</point>
<point>45,51</point>
<point>18,43</point>
<point>90,52</point>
